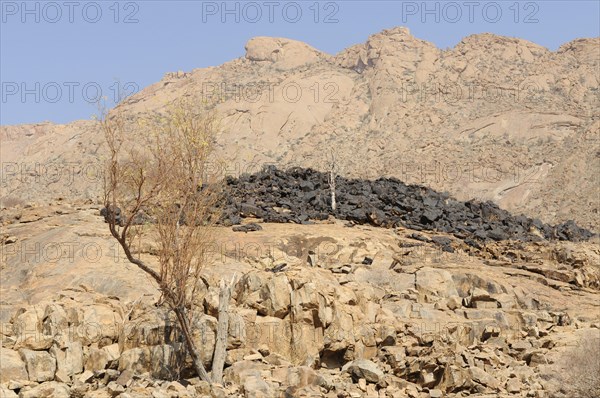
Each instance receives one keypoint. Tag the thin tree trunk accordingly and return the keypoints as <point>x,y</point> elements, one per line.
<point>222,334</point>
<point>332,187</point>
<point>187,334</point>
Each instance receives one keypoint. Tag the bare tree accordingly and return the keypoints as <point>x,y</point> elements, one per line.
<point>158,180</point>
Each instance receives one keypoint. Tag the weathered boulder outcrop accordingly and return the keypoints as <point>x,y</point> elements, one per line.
<point>283,54</point>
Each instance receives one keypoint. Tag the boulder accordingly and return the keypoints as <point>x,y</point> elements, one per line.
<point>247,228</point>
<point>275,297</point>
<point>56,322</point>
<point>435,281</point>
<point>69,359</point>
<point>7,393</point>
<point>51,389</point>
<point>41,366</point>
<point>240,371</point>
<point>482,377</point>
<point>255,386</point>
<point>164,361</point>
<point>98,322</point>
<point>115,389</point>
<point>339,336</point>
<point>112,351</point>
<point>12,366</point>
<point>364,369</point>
<point>204,333</point>
<point>299,377</point>
<point>27,329</point>
<point>152,327</point>
<point>513,385</point>
<point>273,332</point>
<point>247,289</point>
<point>236,336</point>
<point>97,359</point>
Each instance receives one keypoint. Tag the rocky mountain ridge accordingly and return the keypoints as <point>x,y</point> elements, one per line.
<point>493,118</point>
<point>456,296</point>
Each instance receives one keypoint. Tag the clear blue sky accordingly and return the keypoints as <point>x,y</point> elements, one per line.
<point>56,55</point>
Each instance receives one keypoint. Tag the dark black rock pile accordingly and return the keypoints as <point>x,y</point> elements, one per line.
<point>303,196</point>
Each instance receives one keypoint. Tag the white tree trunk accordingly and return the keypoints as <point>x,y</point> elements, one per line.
<point>332,188</point>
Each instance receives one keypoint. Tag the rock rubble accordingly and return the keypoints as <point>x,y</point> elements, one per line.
<point>303,195</point>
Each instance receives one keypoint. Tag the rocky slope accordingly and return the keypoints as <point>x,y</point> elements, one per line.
<point>452,298</point>
<point>493,118</point>
<point>318,310</point>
